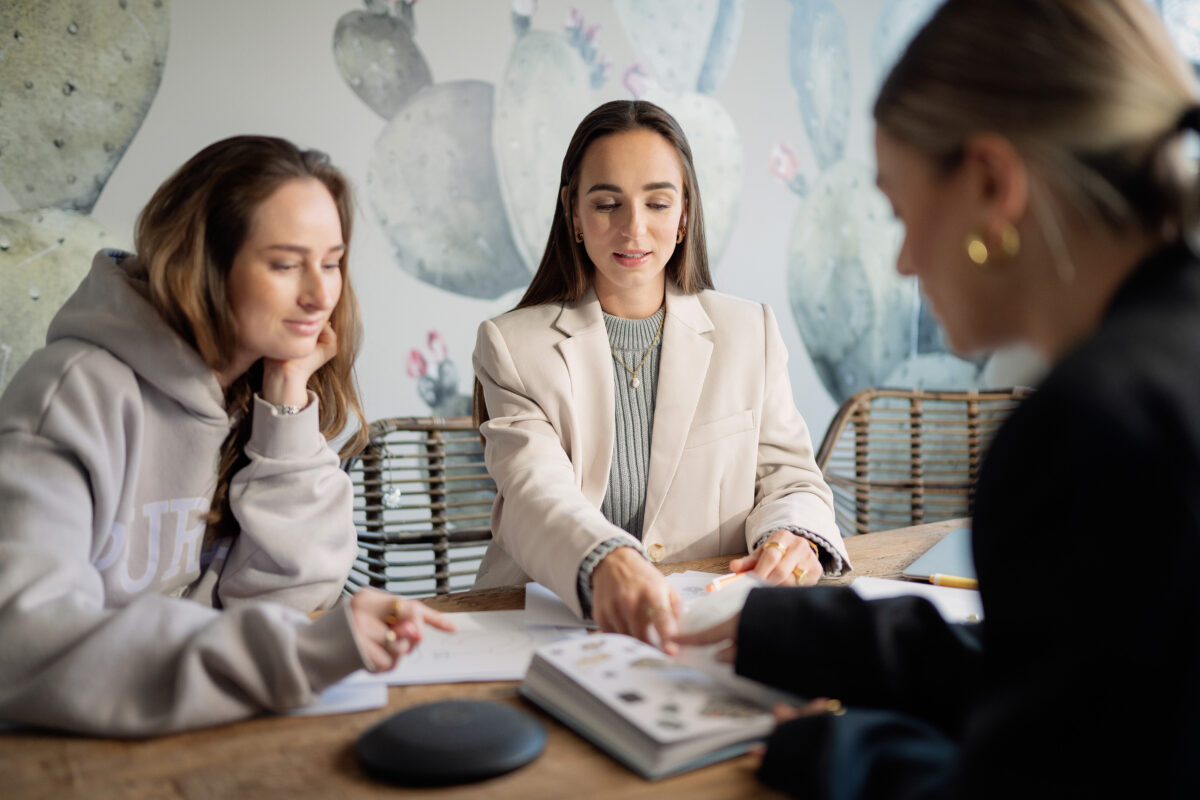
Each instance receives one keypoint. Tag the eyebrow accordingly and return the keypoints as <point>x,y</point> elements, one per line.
<point>649,187</point>
<point>295,248</point>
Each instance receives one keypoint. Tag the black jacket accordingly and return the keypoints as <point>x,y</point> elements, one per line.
<point>1084,679</point>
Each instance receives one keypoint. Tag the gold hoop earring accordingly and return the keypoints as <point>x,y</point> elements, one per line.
<point>578,237</point>
<point>679,236</point>
<point>977,249</point>
<point>1010,241</point>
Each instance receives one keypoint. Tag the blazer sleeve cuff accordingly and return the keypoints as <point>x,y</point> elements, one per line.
<point>593,559</point>
<point>832,563</point>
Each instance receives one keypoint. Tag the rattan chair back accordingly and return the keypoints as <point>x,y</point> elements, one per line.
<point>423,503</point>
<point>899,457</point>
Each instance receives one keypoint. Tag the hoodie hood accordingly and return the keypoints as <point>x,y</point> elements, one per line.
<point>111,309</point>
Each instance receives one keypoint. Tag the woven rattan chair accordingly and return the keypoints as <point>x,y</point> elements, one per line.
<point>899,457</point>
<point>423,502</point>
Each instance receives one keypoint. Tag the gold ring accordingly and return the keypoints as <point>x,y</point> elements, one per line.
<point>772,543</point>
<point>397,610</point>
<point>799,575</point>
<point>652,611</point>
<point>389,637</point>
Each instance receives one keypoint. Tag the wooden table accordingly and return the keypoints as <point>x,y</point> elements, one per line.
<point>314,756</point>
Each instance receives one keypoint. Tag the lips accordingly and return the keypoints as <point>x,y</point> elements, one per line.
<point>305,327</point>
<point>631,258</point>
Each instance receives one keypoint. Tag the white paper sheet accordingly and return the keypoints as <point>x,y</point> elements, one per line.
<point>344,697</point>
<point>544,607</point>
<point>955,605</point>
<point>489,646</point>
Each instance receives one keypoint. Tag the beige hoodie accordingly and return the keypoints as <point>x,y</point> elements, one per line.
<point>111,619</point>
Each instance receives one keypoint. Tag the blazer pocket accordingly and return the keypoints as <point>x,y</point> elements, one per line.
<point>740,422</point>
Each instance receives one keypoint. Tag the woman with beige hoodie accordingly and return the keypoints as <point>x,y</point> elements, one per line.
<point>170,510</point>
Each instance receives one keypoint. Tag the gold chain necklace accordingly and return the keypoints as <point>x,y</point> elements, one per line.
<point>635,382</point>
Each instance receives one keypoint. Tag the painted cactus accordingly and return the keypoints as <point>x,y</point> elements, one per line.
<point>76,80</point>
<point>433,185</point>
<point>540,99</point>
<point>855,314</point>
<point>459,178</point>
<point>820,71</point>
<point>687,44</point>
<point>378,58</point>
<point>862,324</point>
<point>899,21</point>
<point>43,256</point>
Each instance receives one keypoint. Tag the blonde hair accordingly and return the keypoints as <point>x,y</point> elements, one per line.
<point>1090,92</point>
<point>186,239</point>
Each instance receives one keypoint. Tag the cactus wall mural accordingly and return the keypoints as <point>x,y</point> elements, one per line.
<point>76,80</point>
<point>464,174</point>
<point>451,117</point>
<point>863,324</point>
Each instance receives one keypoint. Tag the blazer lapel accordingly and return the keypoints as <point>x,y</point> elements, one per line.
<point>588,360</point>
<point>686,350</point>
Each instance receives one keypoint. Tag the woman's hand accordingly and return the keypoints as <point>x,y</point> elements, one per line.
<point>387,626</point>
<point>630,596</point>
<point>721,632</point>
<point>784,559</point>
<point>285,383</point>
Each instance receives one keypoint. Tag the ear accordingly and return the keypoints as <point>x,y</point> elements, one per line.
<point>568,209</point>
<point>998,180</point>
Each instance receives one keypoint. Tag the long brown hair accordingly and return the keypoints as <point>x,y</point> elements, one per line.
<point>186,239</point>
<point>1091,92</point>
<point>565,272</point>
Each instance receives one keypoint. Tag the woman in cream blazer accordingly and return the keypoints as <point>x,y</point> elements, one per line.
<point>730,465</point>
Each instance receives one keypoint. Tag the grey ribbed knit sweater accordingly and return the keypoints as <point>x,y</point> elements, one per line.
<point>625,502</point>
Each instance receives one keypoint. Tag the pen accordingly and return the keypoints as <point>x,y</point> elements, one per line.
<point>720,583</point>
<point>938,579</point>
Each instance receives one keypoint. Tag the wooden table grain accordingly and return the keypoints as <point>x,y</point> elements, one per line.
<point>296,757</point>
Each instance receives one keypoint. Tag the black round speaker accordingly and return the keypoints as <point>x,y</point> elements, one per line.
<point>451,741</point>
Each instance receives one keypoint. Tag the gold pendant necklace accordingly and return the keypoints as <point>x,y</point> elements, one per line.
<point>635,381</point>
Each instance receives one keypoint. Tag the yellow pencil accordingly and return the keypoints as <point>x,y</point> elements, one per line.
<point>938,579</point>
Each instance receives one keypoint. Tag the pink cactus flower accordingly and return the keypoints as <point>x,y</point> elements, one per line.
<point>591,34</point>
<point>574,19</point>
<point>783,163</point>
<point>437,346</point>
<point>416,366</point>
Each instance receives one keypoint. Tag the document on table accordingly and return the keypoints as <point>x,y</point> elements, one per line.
<point>544,607</point>
<point>955,605</point>
<point>489,646</point>
<point>498,645</point>
<point>344,697</point>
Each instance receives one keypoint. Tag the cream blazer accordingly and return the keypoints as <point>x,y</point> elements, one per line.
<point>730,456</point>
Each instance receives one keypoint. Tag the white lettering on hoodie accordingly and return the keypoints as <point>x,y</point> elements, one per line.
<point>185,555</point>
